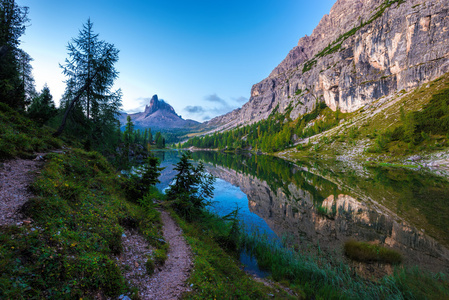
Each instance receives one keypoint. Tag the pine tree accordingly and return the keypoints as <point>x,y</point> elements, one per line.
<point>192,187</point>
<point>144,179</point>
<point>150,136</point>
<point>127,140</point>
<point>42,107</point>
<point>26,77</point>
<point>160,142</point>
<point>12,25</point>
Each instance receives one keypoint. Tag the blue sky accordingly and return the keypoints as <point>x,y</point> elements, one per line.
<point>200,56</point>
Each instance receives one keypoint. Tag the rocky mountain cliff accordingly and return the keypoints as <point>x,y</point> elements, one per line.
<point>158,115</point>
<point>362,51</point>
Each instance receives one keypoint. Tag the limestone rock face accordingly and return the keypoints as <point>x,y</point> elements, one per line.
<point>158,115</point>
<point>375,50</point>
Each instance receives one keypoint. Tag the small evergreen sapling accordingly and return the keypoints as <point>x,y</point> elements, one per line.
<point>192,188</point>
<point>146,177</point>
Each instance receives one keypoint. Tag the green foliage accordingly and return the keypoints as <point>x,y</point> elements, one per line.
<point>159,140</point>
<point>192,188</point>
<point>139,183</point>
<point>42,107</point>
<point>332,49</point>
<point>15,65</point>
<point>270,135</point>
<point>417,127</point>
<point>160,256</point>
<point>308,65</point>
<point>88,96</point>
<point>329,120</point>
<point>381,142</point>
<point>134,144</point>
<point>149,265</point>
<point>21,137</point>
<point>367,252</point>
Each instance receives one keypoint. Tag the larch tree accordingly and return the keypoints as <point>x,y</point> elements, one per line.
<point>90,76</point>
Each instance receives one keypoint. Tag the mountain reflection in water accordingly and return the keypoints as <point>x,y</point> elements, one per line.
<point>318,212</point>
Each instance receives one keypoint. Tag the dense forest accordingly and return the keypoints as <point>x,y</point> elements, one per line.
<point>411,132</point>
<point>275,133</point>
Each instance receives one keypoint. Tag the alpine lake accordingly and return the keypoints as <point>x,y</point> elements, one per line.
<point>316,206</point>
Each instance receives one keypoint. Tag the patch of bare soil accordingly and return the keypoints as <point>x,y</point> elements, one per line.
<point>15,177</point>
<point>168,281</point>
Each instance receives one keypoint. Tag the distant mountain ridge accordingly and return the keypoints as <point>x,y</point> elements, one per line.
<point>158,115</point>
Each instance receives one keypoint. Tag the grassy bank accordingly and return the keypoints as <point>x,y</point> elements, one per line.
<point>217,274</point>
<point>69,250</point>
<point>20,137</point>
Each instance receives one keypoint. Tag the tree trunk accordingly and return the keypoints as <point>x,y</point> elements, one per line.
<point>72,104</point>
<point>3,50</point>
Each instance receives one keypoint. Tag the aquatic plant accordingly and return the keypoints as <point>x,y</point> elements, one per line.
<point>369,252</point>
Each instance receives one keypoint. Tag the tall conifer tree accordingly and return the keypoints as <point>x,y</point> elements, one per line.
<point>12,25</point>
<point>90,75</point>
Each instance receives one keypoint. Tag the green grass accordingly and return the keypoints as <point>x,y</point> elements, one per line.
<point>216,273</point>
<point>308,65</point>
<point>20,137</point>
<point>367,252</point>
<point>390,165</point>
<point>69,251</point>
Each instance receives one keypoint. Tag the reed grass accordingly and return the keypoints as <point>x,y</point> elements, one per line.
<point>324,277</point>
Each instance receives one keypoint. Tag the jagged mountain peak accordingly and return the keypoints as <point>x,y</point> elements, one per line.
<point>156,104</point>
<point>158,115</point>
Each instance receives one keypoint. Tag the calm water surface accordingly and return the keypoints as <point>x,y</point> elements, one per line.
<point>321,205</point>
